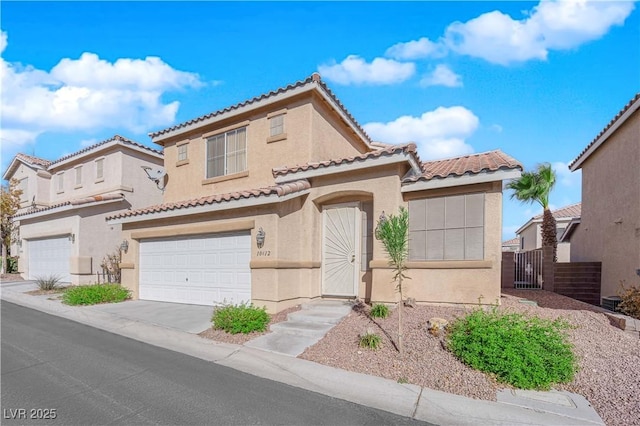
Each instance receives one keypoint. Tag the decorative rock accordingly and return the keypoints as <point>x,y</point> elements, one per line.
<point>411,302</point>
<point>436,325</point>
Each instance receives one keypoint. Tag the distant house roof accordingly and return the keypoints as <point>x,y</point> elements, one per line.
<point>71,204</point>
<point>622,116</point>
<point>564,213</point>
<point>258,196</point>
<point>569,230</point>
<point>313,82</point>
<point>40,163</point>
<point>512,242</point>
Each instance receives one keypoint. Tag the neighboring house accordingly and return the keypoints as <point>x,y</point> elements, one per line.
<point>511,245</point>
<point>275,200</point>
<point>61,220</point>
<point>530,233</point>
<point>609,229</point>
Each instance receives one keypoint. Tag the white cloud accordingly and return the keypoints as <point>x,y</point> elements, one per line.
<point>500,39</point>
<point>3,41</point>
<point>355,70</point>
<point>88,142</point>
<point>566,177</point>
<point>440,133</point>
<point>441,76</point>
<point>416,49</point>
<point>496,128</point>
<point>87,93</point>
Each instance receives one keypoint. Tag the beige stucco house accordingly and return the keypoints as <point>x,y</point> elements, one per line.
<point>609,229</point>
<point>61,220</point>
<point>274,200</point>
<point>530,234</point>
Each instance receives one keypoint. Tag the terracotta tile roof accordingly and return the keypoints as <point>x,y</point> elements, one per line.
<point>315,77</point>
<point>114,138</point>
<point>391,150</point>
<point>607,127</point>
<point>75,202</point>
<point>468,165</point>
<point>279,190</point>
<point>512,242</point>
<point>33,160</point>
<point>573,210</point>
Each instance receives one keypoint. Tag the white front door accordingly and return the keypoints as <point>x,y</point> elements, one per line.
<point>198,269</point>
<point>49,257</point>
<point>341,250</point>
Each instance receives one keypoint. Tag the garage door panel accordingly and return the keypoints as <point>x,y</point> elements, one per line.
<point>204,269</point>
<point>50,256</point>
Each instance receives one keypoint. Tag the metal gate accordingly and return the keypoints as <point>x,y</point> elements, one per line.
<point>528,269</point>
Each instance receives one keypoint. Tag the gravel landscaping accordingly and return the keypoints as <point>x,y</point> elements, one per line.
<point>609,358</point>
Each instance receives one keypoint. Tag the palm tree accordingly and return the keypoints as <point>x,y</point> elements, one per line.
<point>393,232</point>
<point>533,187</point>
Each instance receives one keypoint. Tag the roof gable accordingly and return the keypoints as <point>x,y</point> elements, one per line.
<point>625,113</point>
<point>28,160</point>
<point>312,83</point>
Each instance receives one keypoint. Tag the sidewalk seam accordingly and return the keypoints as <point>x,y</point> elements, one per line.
<point>415,409</point>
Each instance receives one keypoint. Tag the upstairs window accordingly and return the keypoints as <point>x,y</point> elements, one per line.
<point>60,183</point>
<point>23,186</point>
<point>78,175</point>
<point>100,169</point>
<point>227,153</point>
<point>447,228</point>
<point>276,125</point>
<point>182,152</point>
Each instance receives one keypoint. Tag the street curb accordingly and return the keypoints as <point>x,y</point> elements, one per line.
<point>403,399</point>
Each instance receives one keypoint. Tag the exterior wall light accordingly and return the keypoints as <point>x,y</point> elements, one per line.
<point>124,246</point>
<point>72,238</point>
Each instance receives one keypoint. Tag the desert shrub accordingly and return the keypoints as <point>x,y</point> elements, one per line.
<point>370,340</point>
<point>630,304</point>
<point>111,266</point>
<point>242,318</point>
<point>94,294</point>
<point>526,352</point>
<point>12,264</point>
<point>47,282</point>
<point>379,311</point>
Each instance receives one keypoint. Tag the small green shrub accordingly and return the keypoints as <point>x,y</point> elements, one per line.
<point>370,340</point>
<point>47,282</point>
<point>630,304</point>
<point>379,310</point>
<point>242,318</point>
<point>12,264</point>
<point>528,353</point>
<point>94,294</point>
<point>403,380</point>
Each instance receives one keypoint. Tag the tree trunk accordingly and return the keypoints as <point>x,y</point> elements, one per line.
<point>3,269</point>
<point>400,306</point>
<point>549,238</point>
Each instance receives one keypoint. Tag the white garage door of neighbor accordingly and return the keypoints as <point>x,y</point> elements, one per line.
<point>48,257</point>
<point>199,270</point>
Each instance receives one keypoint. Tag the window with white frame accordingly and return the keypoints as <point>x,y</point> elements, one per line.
<point>276,125</point>
<point>60,183</point>
<point>23,186</point>
<point>100,169</point>
<point>182,152</point>
<point>227,153</point>
<point>447,228</point>
<point>78,175</point>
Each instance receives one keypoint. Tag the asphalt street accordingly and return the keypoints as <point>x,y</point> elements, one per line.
<point>56,371</point>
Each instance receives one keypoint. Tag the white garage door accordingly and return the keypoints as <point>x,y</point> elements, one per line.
<point>49,256</point>
<point>200,270</point>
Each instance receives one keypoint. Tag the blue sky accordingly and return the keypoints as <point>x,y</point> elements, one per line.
<point>536,80</point>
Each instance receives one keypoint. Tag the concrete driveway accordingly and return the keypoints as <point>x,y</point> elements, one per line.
<point>190,318</point>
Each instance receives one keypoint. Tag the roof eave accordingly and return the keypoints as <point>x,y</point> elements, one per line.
<point>8,174</point>
<point>213,207</point>
<point>102,147</point>
<point>348,167</point>
<point>451,181</point>
<point>64,208</point>
<point>577,163</point>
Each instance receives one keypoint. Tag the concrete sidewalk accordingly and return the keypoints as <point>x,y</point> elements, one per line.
<point>512,408</point>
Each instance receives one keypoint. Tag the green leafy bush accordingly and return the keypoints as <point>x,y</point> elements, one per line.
<point>95,293</point>
<point>370,340</point>
<point>379,311</point>
<point>528,353</point>
<point>47,282</point>
<point>630,304</point>
<point>12,264</point>
<point>242,318</point>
